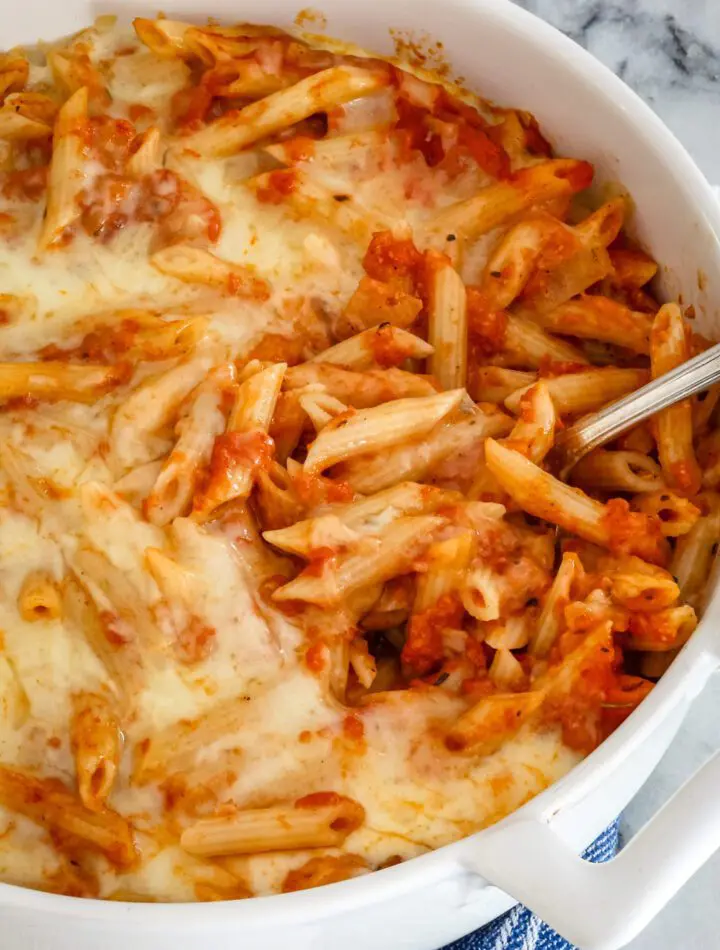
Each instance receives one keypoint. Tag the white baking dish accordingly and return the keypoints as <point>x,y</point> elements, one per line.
<point>515,59</point>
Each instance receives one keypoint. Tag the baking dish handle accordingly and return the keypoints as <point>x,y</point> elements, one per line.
<point>603,906</point>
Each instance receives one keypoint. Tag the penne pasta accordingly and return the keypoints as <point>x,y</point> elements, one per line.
<point>290,331</point>
<point>359,390</point>
<point>321,820</point>
<point>618,471</point>
<point>543,496</point>
<point>316,93</point>
<point>447,325</point>
<point>49,803</point>
<point>152,406</point>
<point>533,434</point>
<point>695,551</point>
<point>497,203</point>
<point>668,349</point>
<point>195,265</point>
<point>496,383</point>
<point>528,346</point>
<point>677,515</point>
<point>53,381</point>
<point>592,317</point>
<point>244,449</point>
<point>382,427</point>
<point>586,390</point>
<point>172,493</point>
<point>388,554</point>
<point>380,346</point>
<point>39,598</point>
<point>414,461</point>
<point>96,743</point>
<point>68,174</point>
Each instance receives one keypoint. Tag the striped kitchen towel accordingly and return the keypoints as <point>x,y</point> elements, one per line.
<point>520,929</point>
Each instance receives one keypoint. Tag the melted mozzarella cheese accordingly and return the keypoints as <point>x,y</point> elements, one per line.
<point>290,738</point>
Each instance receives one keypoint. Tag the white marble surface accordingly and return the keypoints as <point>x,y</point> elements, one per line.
<point>669,52</point>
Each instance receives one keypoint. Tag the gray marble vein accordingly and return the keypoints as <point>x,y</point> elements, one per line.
<point>668,51</point>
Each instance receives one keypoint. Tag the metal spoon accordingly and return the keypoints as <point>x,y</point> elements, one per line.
<point>600,427</point>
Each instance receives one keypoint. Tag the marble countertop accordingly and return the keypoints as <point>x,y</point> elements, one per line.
<point>669,52</point>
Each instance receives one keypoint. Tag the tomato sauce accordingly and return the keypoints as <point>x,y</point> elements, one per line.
<point>423,648</point>
<point>487,327</point>
<point>279,185</point>
<point>633,532</point>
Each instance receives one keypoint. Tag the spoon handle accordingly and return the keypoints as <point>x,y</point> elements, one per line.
<point>595,430</point>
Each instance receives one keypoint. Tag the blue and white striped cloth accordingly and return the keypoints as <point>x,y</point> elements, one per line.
<point>520,929</point>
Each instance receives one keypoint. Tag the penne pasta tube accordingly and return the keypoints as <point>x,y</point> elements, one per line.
<point>641,587</point>
<point>618,471</point>
<point>152,406</point>
<point>193,265</point>
<point>480,593</point>
<point>55,380</point>
<point>166,38</point>
<point>574,262</point>
<point>133,614</point>
<point>119,656</point>
<point>375,302</point>
<point>695,551</point>
<point>497,203</point>
<point>327,869</point>
<point>668,349</point>
<point>496,383</point>
<point>506,672</point>
<point>404,498</point>
<point>527,345</point>
<point>372,430</point>
<point>677,515</point>
<point>304,537</point>
<point>96,743</point>
<point>328,151</point>
<point>592,317</point>
<point>308,199</point>
<point>244,448</point>
<point>51,804</point>
<point>14,72</point>
<point>492,721</point>
<point>586,390</point>
<point>662,631</point>
<point>322,820</point>
<point>380,346</point>
<point>176,748</point>
<point>544,496</point>
<point>68,173</point>
<point>39,598</point>
<point>600,228</point>
<point>321,408</point>
<point>16,127</point>
<point>359,390</point>
<point>533,434</point>
<point>147,158</point>
<point>347,523</point>
<point>512,633</point>
<point>316,93</point>
<point>414,461</point>
<point>388,554</point>
<point>511,263</point>
<point>276,502</point>
<point>171,495</point>
<point>447,324</point>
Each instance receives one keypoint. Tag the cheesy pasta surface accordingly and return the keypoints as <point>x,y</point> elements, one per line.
<point>290,589</point>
